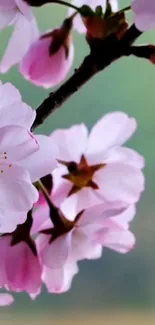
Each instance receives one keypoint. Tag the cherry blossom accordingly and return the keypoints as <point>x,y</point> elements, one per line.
<point>144,14</point>
<point>96,168</point>
<point>18,13</point>
<point>78,24</point>
<point>61,247</point>
<point>49,59</point>
<point>20,268</point>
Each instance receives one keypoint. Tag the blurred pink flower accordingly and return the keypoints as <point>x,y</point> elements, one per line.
<point>20,269</point>
<point>93,229</point>
<point>49,59</point>
<point>144,14</point>
<point>95,169</point>
<point>78,23</point>
<point>18,13</point>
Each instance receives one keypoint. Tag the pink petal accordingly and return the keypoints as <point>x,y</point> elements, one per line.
<point>8,95</point>
<point>41,219</point>
<point>7,4</point>
<point>16,191</point>
<point>6,299</point>
<point>144,14</point>
<point>122,220</point>
<point>9,220</point>
<point>59,280</point>
<point>17,142</point>
<point>71,142</point>
<point>124,155</point>
<point>4,244</point>
<point>95,252</point>
<point>79,201</point>
<point>12,110</point>
<point>18,113</point>
<point>24,8</point>
<point>7,17</point>
<point>61,186</point>
<point>119,241</point>
<point>55,255</point>
<point>26,273</point>
<point>119,182</point>
<point>30,32</point>
<point>43,161</point>
<point>114,129</point>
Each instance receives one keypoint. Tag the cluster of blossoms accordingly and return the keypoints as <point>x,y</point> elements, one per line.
<point>84,201</point>
<point>65,196</point>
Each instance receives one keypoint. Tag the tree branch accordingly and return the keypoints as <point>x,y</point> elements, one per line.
<point>103,53</point>
<point>143,51</point>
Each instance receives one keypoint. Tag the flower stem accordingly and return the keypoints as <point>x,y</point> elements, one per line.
<point>125,9</point>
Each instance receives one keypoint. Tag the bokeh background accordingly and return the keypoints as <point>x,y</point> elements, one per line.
<point>116,289</point>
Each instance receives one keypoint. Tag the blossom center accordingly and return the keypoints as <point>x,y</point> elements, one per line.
<point>81,174</point>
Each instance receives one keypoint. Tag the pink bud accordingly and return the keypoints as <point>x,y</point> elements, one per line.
<point>49,59</point>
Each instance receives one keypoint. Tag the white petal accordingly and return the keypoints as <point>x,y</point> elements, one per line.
<point>43,161</point>
<point>56,254</point>
<point>17,142</point>
<point>113,129</point>
<point>23,35</point>
<point>119,182</point>
<point>71,142</point>
<point>16,191</point>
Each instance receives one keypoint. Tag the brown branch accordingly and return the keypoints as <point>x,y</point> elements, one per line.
<point>143,51</point>
<point>102,54</point>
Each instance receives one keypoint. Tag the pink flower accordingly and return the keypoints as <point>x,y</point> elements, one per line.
<point>17,12</point>
<point>49,59</point>
<point>60,248</point>
<point>144,14</point>
<point>20,269</point>
<point>23,159</point>
<point>95,169</point>
<point>78,24</point>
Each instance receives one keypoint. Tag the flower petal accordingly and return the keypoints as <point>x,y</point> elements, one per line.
<point>56,254</point>
<point>59,280</point>
<point>119,182</point>
<point>43,161</point>
<point>111,130</point>
<point>16,190</point>
<point>71,142</point>
<point>16,143</point>
<point>119,241</point>
<point>6,17</point>
<point>124,155</point>
<point>30,32</point>
<point>79,201</point>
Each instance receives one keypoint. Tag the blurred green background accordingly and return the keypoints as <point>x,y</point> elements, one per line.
<point>115,281</point>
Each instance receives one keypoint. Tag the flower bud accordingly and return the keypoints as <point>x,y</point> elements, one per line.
<point>49,59</point>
